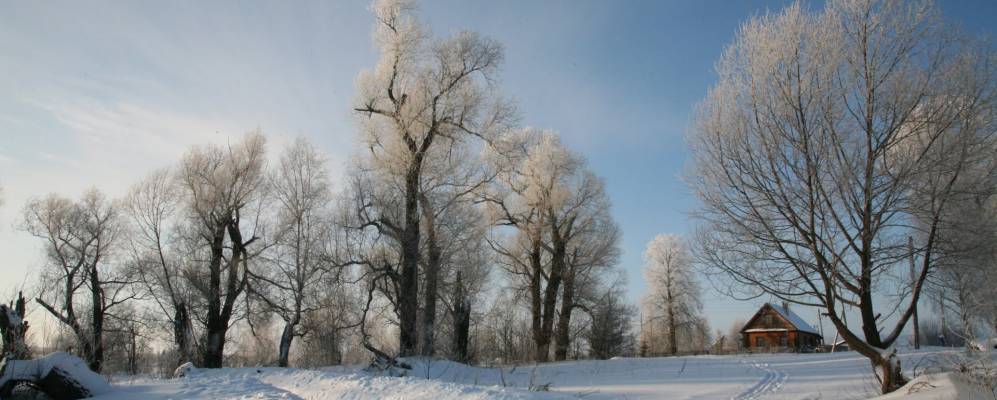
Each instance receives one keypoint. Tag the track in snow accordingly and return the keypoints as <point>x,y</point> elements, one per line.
<point>772,381</point>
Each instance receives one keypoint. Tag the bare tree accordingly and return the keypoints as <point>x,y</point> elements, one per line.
<point>674,295</point>
<point>159,255</point>
<point>221,190</point>
<point>329,327</point>
<point>80,284</point>
<point>298,259</point>
<point>814,159</point>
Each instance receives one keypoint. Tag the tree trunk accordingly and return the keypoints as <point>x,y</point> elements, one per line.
<point>563,338</point>
<point>888,371</point>
<point>964,315</point>
<point>549,304</point>
<point>215,329</point>
<point>560,273</point>
<point>214,348</point>
<point>462,322</point>
<point>183,333</point>
<point>285,344</point>
<point>133,351</point>
<point>408,290</point>
<point>220,309</point>
<point>96,359</point>
<point>433,260</point>
<point>541,344</point>
<point>886,366</point>
<point>557,265</point>
<point>673,341</point>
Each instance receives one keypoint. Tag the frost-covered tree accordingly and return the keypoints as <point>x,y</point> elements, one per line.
<point>674,298</point>
<point>813,159</point>
<point>422,97</point>
<point>221,189</point>
<point>453,233</point>
<point>563,231</point>
<point>964,281</point>
<point>521,253</point>
<point>592,253</point>
<point>81,284</point>
<point>463,271</point>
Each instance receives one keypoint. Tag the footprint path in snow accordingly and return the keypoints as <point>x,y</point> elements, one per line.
<point>770,383</point>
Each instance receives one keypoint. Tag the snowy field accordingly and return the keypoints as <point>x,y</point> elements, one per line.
<point>772,376</point>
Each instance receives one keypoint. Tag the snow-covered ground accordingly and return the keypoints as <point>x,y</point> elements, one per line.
<point>770,376</point>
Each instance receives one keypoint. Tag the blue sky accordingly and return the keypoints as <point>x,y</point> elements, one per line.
<point>99,93</point>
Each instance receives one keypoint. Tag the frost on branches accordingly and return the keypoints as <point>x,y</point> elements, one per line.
<point>831,138</point>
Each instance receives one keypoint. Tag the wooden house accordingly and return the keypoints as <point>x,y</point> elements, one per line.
<point>775,328</point>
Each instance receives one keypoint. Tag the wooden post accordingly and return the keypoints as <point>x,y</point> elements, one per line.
<point>820,323</point>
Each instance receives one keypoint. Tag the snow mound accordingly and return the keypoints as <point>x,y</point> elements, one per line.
<point>938,386</point>
<point>529,377</point>
<point>58,370</point>
<point>76,368</point>
<point>184,370</point>
<point>291,383</point>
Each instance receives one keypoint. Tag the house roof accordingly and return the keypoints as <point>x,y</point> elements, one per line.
<point>794,319</point>
<point>786,314</point>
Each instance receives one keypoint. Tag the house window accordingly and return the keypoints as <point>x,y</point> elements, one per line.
<point>759,341</point>
<point>783,341</point>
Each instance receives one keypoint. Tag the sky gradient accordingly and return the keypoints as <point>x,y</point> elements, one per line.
<point>99,93</point>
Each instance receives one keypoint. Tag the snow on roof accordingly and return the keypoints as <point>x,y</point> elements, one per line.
<point>794,319</point>
<point>766,330</point>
